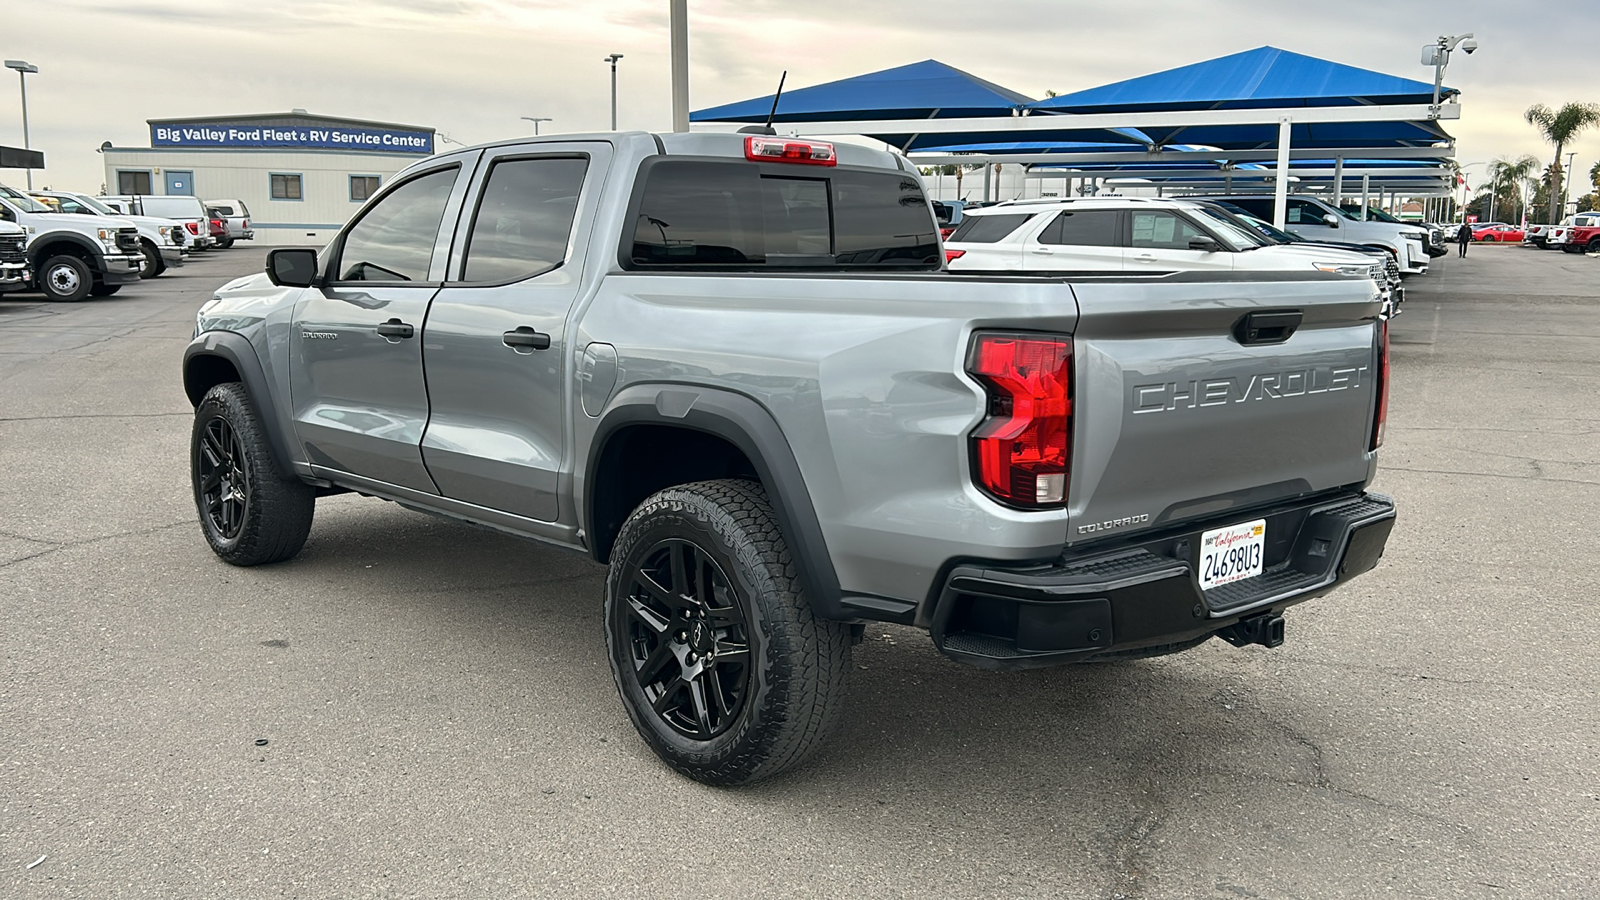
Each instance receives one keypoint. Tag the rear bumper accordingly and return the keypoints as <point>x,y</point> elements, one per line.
<point>1146,594</point>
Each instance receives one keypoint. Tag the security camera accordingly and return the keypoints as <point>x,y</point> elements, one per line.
<point>1469,46</point>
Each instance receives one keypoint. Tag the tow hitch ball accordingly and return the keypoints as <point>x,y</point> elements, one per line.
<point>1266,630</point>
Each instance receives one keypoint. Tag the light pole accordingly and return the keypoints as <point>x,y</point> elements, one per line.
<point>613,60</point>
<point>536,120</point>
<point>23,70</point>
<point>1566,184</point>
<point>1437,54</point>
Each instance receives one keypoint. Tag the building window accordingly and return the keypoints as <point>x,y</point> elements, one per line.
<point>362,187</point>
<point>133,182</point>
<point>285,187</point>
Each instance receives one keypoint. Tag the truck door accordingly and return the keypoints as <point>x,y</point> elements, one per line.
<point>1311,220</point>
<point>496,346</point>
<point>1159,242</point>
<point>360,403</point>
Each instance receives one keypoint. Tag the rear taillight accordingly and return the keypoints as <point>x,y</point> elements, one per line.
<point>1020,451</point>
<point>1383,385</point>
<point>194,227</point>
<point>945,232</point>
<point>952,255</point>
<point>789,150</point>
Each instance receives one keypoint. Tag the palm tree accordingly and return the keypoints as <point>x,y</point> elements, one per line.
<point>1560,127</point>
<point>1511,178</point>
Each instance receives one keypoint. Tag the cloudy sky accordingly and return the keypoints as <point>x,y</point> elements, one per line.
<point>472,68</point>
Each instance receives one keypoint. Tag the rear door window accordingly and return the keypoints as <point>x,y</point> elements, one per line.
<point>1083,228</point>
<point>717,214</point>
<point>524,220</point>
<point>989,229</point>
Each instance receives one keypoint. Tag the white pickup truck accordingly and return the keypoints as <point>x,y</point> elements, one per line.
<point>72,256</point>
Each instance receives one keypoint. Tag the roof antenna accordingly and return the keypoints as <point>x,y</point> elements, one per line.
<point>767,128</point>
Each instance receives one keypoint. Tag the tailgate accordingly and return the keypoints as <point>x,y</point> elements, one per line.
<point>1177,418</point>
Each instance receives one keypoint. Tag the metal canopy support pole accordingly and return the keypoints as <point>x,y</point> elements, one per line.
<point>1338,181</point>
<point>1366,195</point>
<point>680,66</point>
<point>986,171</point>
<point>1280,193</point>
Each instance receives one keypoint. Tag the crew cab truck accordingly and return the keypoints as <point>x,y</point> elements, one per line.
<point>732,369</point>
<point>73,256</point>
<point>160,240</point>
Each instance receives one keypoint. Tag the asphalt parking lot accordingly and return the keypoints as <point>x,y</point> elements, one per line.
<point>438,719</point>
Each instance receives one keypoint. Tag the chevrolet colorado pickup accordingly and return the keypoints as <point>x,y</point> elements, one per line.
<point>733,369</point>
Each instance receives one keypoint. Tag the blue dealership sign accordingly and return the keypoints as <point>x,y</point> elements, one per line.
<point>307,137</point>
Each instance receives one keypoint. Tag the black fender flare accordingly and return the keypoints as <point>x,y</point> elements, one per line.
<point>97,254</point>
<point>236,349</point>
<point>747,425</point>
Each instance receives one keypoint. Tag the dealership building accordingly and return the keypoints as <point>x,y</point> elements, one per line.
<point>301,176</point>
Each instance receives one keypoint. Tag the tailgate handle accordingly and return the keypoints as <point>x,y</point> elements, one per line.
<point>1267,327</point>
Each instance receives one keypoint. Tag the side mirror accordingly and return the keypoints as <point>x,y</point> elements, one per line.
<point>1204,243</point>
<point>292,266</point>
<point>1330,220</point>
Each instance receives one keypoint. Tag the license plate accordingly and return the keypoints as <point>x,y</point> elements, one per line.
<point>1232,554</point>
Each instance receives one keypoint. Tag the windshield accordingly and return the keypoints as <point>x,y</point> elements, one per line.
<point>23,202</point>
<point>95,205</point>
<point>1237,235</point>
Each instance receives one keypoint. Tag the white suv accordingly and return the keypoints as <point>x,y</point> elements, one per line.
<point>1133,235</point>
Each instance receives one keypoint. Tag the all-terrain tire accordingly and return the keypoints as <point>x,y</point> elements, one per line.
<point>249,513</point>
<point>765,715</point>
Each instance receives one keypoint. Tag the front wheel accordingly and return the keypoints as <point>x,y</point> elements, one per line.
<point>104,290</point>
<point>150,264</point>
<point>249,513</point>
<point>722,666</point>
<point>66,279</point>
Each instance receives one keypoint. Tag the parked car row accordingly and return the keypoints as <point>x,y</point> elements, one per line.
<point>69,246</point>
<point>1162,237</point>
<point>1576,234</point>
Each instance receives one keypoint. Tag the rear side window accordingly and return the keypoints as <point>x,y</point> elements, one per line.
<point>1083,228</point>
<point>223,210</point>
<point>1261,209</point>
<point>988,229</point>
<point>524,219</point>
<point>715,214</point>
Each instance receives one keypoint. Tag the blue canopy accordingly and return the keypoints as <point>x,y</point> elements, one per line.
<point>1265,77</point>
<point>923,90</point>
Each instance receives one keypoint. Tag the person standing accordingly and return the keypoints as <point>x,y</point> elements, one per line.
<point>1464,237</point>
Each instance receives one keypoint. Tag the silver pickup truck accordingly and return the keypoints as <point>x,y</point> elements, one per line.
<point>733,369</point>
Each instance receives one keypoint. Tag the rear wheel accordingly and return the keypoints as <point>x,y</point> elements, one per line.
<point>721,664</point>
<point>249,513</point>
<point>1594,246</point>
<point>67,279</point>
<point>225,243</point>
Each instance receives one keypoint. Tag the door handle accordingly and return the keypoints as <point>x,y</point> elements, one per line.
<point>1045,251</point>
<point>396,329</point>
<point>524,339</point>
<point>1264,327</point>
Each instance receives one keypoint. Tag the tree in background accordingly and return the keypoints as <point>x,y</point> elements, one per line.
<point>1560,127</point>
<point>1510,179</point>
<point>957,171</point>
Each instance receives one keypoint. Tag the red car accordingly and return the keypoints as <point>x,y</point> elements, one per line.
<point>1498,233</point>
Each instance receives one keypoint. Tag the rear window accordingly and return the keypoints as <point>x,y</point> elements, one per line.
<point>988,229</point>
<point>716,214</point>
<point>1083,228</point>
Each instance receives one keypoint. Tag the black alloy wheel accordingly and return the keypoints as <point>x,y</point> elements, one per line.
<point>223,483</point>
<point>689,639</point>
<point>722,665</point>
<point>250,513</point>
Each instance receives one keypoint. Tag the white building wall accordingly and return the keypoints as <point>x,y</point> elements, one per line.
<point>246,175</point>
